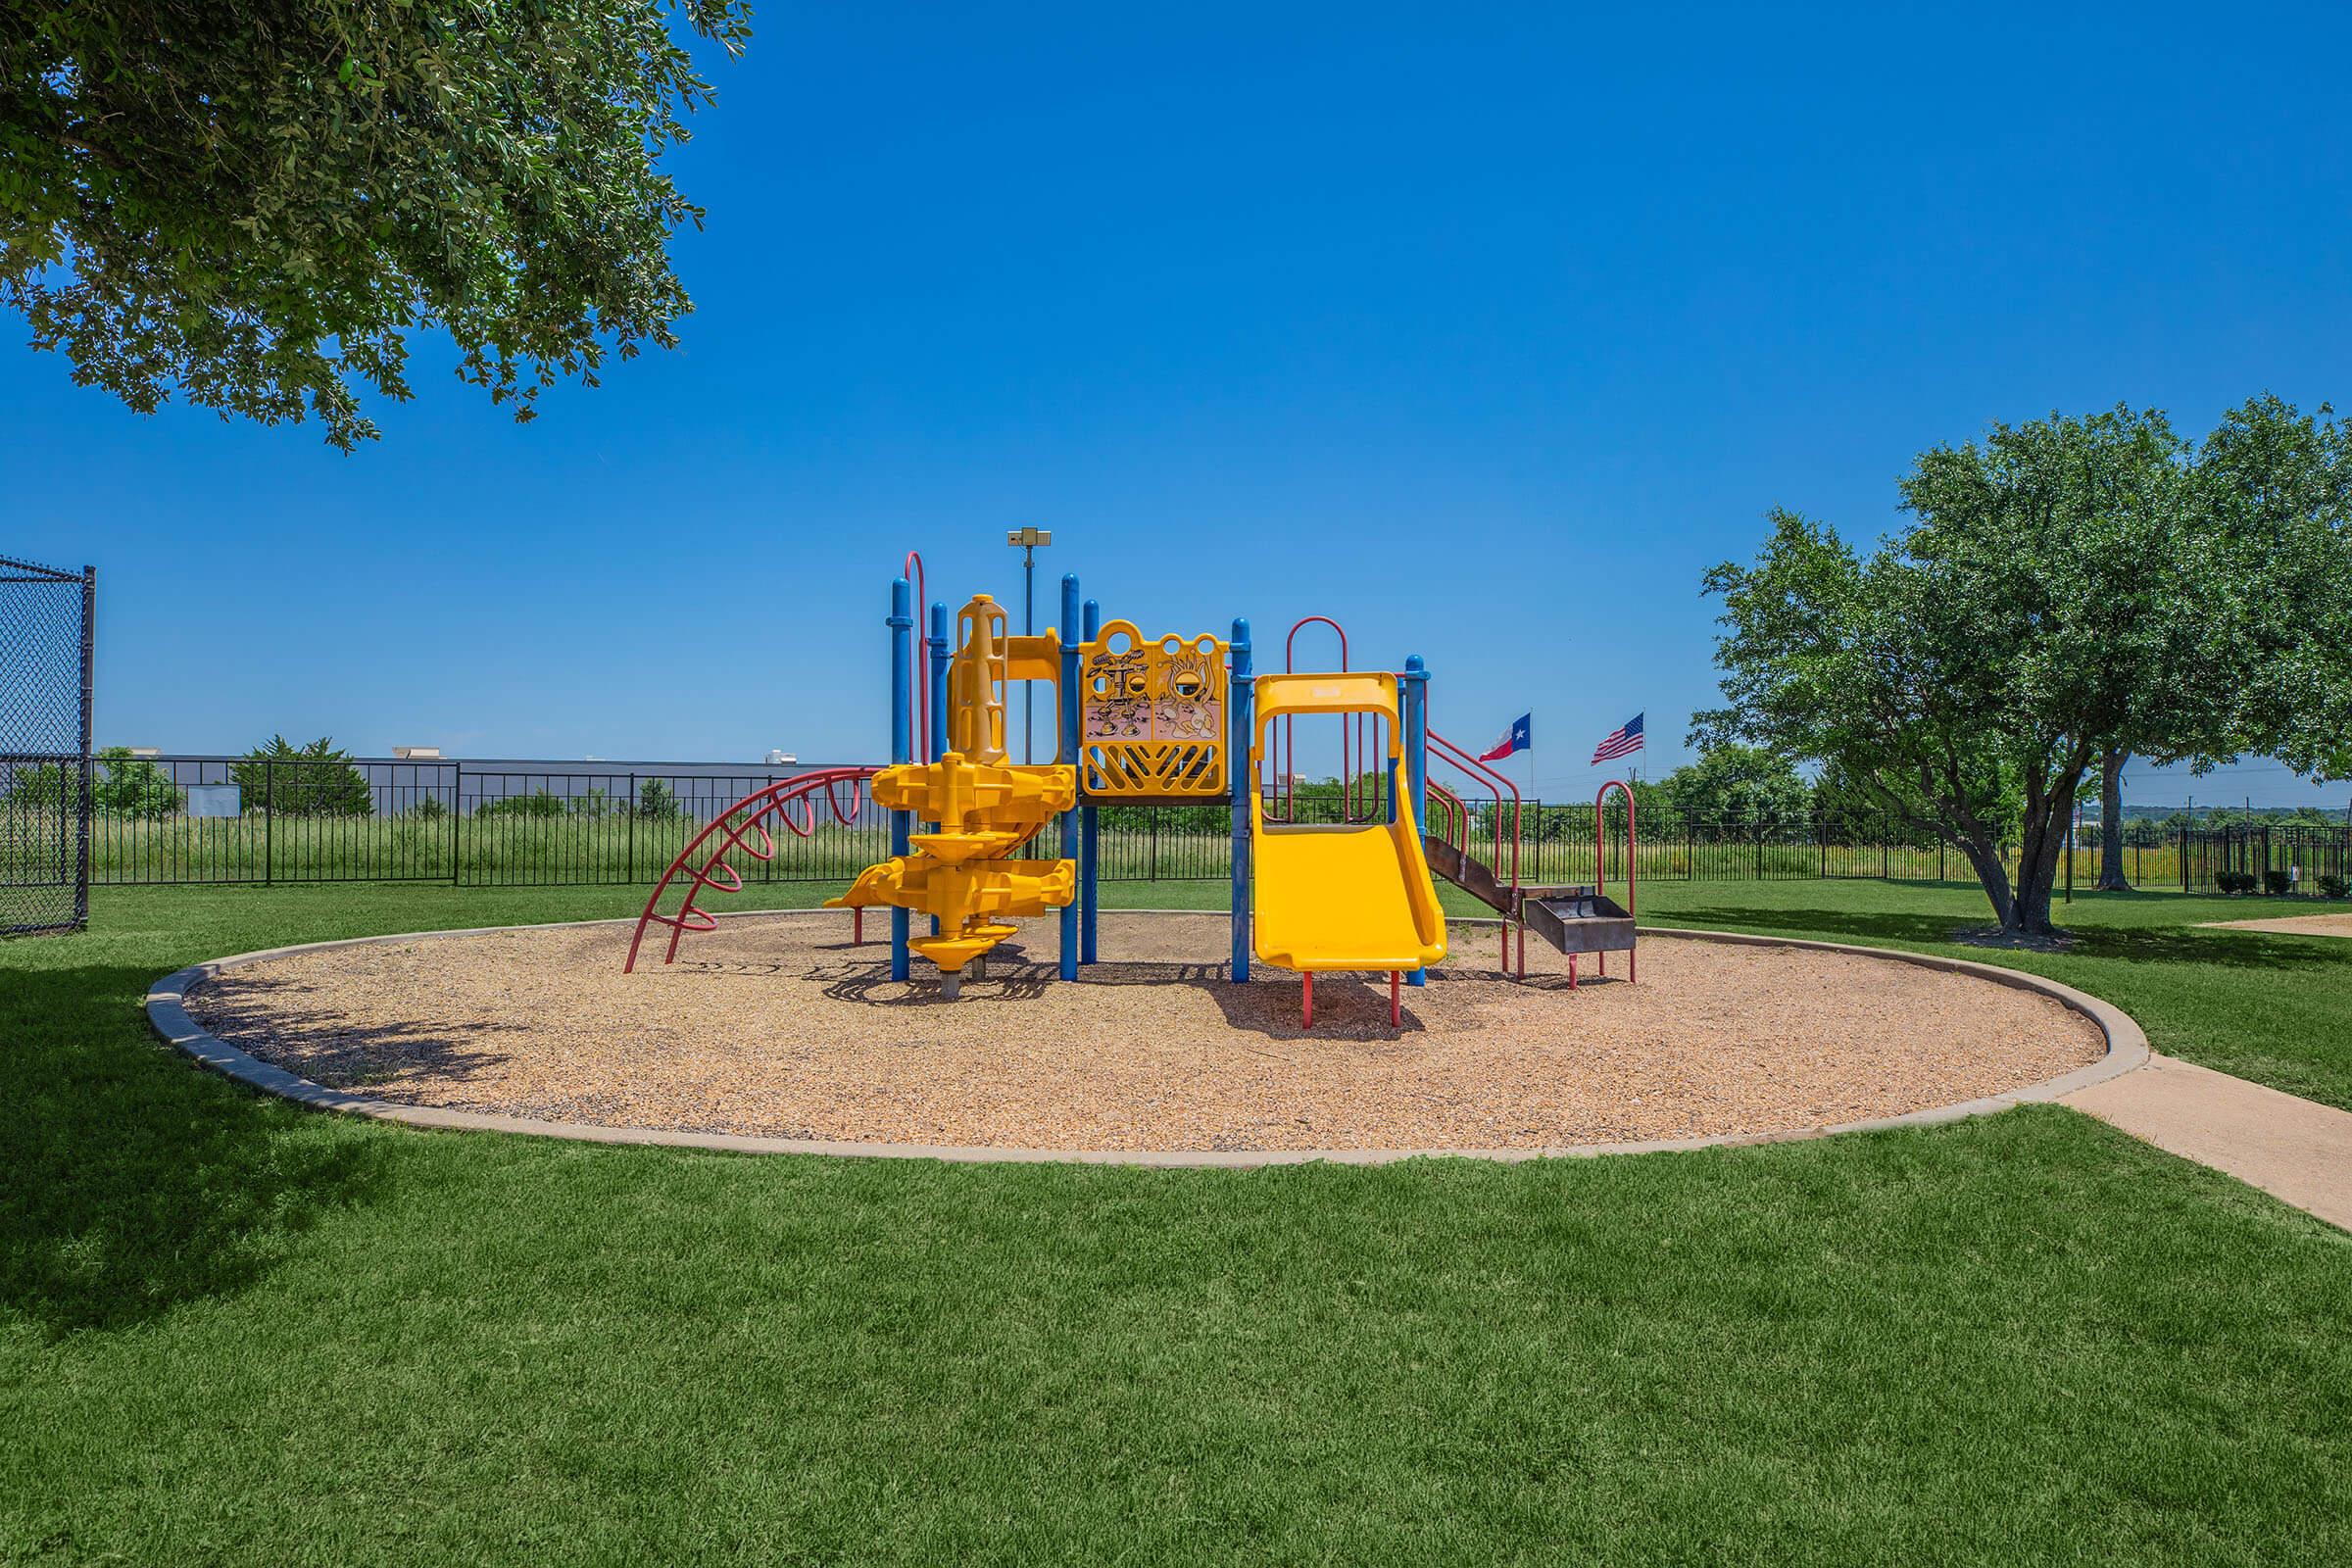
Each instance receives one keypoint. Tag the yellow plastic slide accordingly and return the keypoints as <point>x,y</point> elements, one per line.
<point>1339,898</point>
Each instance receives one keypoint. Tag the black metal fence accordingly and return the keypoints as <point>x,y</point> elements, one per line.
<point>2299,859</point>
<point>223,819</point>
<point>46,671</point>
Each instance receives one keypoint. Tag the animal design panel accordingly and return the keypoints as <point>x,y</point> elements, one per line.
<point>1151,715</point>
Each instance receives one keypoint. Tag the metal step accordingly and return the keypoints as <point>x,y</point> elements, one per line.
<point>1577,925</point>
<point>1473,877</point>
<point>1572,917</point>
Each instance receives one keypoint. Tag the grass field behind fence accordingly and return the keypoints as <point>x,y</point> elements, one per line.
<point>492,851</point>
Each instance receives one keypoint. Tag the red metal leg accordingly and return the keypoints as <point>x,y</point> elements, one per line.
<point>1628,966</point>
<point>1308,1012</point>
<point>1523,949</point>
<point>858,927</point>
<point>1396,1004</point>
<point>1572,971</point>
<point>1604,964</point>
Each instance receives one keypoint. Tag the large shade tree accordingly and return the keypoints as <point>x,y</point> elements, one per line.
<point>2066,590</point>
<point>254,205</point>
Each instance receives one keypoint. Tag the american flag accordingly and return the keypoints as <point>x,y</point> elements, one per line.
<point>1623,741</point>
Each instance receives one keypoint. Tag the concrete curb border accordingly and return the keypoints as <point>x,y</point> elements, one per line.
<point>168,1016</point>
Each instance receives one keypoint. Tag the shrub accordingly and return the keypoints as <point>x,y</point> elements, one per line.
<point>656,802</point>
<point>429,808</point>
<point>132,785</point>
<point>539,803</point>
<point>2333,885</point>
<point>120,785</point>
<point>314,780</point>
<point>42,787</point>
<point>2274,881</point>
<point>2234,881</point>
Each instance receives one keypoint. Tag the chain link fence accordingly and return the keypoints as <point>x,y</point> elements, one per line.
<point>46,671</point>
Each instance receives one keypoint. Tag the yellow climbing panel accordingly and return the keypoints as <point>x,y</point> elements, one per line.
<point>1151,717</point>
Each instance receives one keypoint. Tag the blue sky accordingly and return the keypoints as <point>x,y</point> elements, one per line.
<point>1483,330</point>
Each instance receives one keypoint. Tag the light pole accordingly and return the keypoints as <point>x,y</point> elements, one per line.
<point>1029,541</point>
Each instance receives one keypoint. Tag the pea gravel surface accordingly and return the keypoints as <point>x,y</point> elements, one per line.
<point>778,1025</point>
<point>2294,925</point>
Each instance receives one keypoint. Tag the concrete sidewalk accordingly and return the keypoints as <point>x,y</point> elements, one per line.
<point>2290,1148</point>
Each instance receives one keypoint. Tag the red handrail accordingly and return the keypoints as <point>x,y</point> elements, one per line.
<point>1453,756</point>
<point>1286,787</point>
<point>1456,814</point>
<point>718,873</point>
<point>1472,767</point>
<point>1601,863</point>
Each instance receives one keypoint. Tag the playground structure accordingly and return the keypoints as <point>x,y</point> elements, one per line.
<point>1153,721</point>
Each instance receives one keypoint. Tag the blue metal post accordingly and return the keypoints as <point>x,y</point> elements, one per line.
<point>901,742</point>
<point>1069,757</point>
<point>1416,761</point>
<point>1090,891</point>
<point>940,651</point>
<point>1243,778</point>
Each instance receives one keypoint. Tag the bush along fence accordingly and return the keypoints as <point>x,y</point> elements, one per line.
<point>271,820</point>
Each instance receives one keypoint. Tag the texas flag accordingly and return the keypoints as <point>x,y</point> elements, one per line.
<point>1519,737</point>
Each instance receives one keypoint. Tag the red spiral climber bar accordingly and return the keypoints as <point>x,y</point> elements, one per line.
<point>743,826</point>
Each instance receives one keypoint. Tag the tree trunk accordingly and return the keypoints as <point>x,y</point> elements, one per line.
<point>1985,858</point>
<point>2111,822</point>
<point>2037,863</point>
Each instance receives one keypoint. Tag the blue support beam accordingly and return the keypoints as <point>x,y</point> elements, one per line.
<point>1069,713</point>
<point>901,742</point>
<point>940,651</point>
<point>1416,761</point>
<point>1090,890</point>
<point>1244,779</point>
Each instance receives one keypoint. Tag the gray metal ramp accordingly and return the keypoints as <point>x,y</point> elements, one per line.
<point>1572,919</point>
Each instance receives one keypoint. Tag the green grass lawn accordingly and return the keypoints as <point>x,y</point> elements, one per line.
<point>232,1332</point>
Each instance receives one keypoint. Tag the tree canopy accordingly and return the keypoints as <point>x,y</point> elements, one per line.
<point>2065,587</point>
<point>256,205</point>
<point>1738,784</point>
<point>314,780</point>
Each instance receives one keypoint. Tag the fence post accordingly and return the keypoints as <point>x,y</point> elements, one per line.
<point>1152,875</point>
<point>457,805</point>
<point>269,819</point>
<point>82,809</point>
<point>633,828</point>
